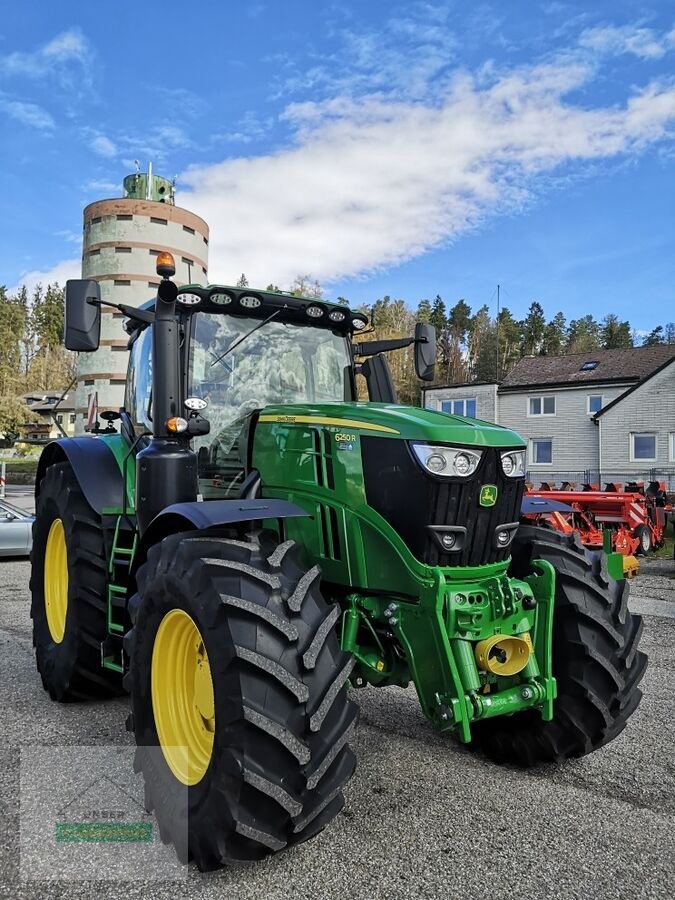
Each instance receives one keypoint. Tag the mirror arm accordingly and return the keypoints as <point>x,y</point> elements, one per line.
<point>144,316</point>
<point>372,348</point>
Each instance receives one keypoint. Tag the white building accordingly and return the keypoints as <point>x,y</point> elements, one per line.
<point>607,415</point>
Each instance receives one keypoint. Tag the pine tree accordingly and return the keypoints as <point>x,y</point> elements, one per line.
<point>243,281</point>
<point>615,334</point>
<point>439,319</point>
<point>533,327</point>
<point>423,313</point>
<point>655,336</point>
<point>459,320</point>
<point>583,335</point>
<point>555,336</point>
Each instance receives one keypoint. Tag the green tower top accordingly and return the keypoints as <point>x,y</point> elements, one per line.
<point>146,186</point>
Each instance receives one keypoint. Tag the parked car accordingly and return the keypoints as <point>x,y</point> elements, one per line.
<point>16,530</point>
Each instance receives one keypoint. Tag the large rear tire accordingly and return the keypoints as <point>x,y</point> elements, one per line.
<point>596,660</point>
<point>266,731</point>
<point>68,589</point>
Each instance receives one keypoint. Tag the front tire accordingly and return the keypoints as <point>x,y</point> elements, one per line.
<point>596,660</point>
<point>68,590</point>
<point>267,730</point>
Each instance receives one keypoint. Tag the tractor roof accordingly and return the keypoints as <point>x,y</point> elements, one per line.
<point>256,304</point>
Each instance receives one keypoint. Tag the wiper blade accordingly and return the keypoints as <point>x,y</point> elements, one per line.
<point>244,336</point>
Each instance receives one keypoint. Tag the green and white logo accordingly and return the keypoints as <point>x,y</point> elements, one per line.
<point>488,495</point>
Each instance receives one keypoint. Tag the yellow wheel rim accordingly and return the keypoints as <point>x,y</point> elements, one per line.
<point>56,581</point>
<point>182,697</point>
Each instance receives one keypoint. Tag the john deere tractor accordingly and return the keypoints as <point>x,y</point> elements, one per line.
<point>245,545</point>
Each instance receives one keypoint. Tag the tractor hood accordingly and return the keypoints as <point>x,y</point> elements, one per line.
<point>389,420</point>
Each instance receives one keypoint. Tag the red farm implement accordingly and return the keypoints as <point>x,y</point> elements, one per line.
<point>635,517</point>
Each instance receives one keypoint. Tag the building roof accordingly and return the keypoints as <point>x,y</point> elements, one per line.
<point>630,365</point>
<point>634,387</point>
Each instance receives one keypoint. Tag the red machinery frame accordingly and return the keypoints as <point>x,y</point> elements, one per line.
<point>636,519</point>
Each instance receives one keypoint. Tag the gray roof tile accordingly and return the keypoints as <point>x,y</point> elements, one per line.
<point>632,364</point>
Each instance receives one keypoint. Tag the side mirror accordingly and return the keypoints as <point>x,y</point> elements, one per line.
<point>82,330</point>
<point>425,351</point>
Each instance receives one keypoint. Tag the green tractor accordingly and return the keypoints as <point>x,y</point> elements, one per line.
<point>254,545</point>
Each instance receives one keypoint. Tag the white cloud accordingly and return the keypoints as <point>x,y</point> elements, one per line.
<point>66,60</point>
<point>636,40</point>
<point>373,182</point>
<point>101,185</point>
<point>58,273</point>
<point>27,113</point>
<point>103,146</point>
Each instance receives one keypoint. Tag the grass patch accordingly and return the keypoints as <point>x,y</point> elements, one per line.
<point>666,552</point>
<point>21,471</point>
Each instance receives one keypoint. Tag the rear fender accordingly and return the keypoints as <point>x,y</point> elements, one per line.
<point>95,467</point>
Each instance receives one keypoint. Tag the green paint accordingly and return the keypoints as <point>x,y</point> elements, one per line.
<point>127,466</point>
<point>436,615</point>
<point>103,832</point>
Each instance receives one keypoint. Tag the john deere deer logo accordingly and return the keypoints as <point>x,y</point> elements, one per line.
<point>488,495</point>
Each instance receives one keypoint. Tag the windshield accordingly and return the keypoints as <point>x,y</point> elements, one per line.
<point>277,363</point>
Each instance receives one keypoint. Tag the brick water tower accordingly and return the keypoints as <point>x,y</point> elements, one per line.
<point>122,237</point>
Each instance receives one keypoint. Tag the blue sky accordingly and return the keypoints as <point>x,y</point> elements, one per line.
<point>406,149</point>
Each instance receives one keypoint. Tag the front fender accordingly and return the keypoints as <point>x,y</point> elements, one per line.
<point>209,514</point>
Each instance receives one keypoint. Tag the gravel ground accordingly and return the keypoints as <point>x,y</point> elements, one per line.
<point>424,818</point>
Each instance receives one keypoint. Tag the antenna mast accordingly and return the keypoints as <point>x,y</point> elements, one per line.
<point>497,352</point>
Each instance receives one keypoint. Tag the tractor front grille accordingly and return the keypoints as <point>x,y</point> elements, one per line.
<point>411,499</point>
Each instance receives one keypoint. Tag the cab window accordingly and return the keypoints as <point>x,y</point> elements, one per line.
<point>138,399</point>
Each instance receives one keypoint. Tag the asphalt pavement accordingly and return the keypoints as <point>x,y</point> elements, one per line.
<point>424,817</point>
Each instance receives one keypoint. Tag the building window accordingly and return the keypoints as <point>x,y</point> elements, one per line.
<point>643,447</point>
<point>203,270</point>
<point>157,221</point>
<point>96,252</point>
<point>59,419</point>
<point>589,366</point>
<point>122,249</point>
<point>153,284</point>
<point>123,217</point>
<point>460,407</point>
<point>154,252</point>
<point>205,239</point>
<point>72,418</point>
<point>188,229</point>
<point>594,403</point>
<point>188,262</point>
<point>96,220</point>
<point>541,451</point>
<point>121,282</point>
<point>541,406</point>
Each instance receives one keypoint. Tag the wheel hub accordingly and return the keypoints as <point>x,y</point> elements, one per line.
<point>183,701</point>
<point>56,581</point>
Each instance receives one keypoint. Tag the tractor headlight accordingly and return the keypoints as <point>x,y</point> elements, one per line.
<point>457,462</point>
<point>513,463</point>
